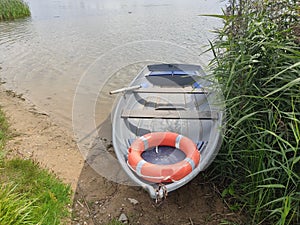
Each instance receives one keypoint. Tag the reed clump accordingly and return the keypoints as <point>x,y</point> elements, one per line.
<point>13,9</point>
<point>257,64</point>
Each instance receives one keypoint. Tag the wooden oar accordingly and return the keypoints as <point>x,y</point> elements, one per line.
<point>125,89</point>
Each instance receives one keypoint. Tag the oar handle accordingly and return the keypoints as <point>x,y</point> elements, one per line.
<point>125,89</point>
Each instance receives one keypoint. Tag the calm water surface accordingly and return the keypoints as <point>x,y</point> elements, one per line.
<point>48,55</point>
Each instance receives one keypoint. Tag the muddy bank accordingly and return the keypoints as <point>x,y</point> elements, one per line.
<point>98,201</point>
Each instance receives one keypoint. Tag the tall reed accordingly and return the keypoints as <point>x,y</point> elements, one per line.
<point>13,9</point>
<point>257,63</point>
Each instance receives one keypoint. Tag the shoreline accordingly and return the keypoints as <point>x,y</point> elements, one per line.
<point>37,137</point>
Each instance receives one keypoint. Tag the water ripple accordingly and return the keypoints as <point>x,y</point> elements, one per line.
<point>45,56</point>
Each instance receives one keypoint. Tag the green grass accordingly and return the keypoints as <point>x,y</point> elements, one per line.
<point>15,209</point>
<point>13,9</point>
<point>4,133</point>
<point>50,196</point>
<point>257,63</point>
<point>29,194</point>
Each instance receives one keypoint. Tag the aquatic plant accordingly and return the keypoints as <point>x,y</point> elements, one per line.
<point>257,63</point>
<point>13,9</point>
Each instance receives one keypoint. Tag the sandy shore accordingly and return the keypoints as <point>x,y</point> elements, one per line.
<point>97,200</point>
<point>37,137</point>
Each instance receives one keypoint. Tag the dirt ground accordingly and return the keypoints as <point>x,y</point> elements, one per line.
<point>97,200</point>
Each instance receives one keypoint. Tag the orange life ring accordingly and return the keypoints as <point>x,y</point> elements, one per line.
<point>163,173</point>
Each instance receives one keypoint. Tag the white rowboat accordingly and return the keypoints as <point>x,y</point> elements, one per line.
<point>167,99</point>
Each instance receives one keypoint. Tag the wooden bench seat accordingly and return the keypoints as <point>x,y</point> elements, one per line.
<point>170,114</point>
<point>171,90</point>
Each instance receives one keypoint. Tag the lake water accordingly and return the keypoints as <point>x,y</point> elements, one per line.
<point>74,51</point>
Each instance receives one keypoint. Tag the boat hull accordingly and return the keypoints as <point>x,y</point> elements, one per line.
<point>175,98</point>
